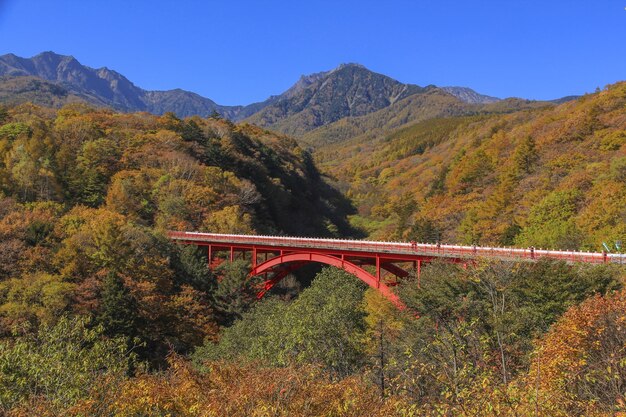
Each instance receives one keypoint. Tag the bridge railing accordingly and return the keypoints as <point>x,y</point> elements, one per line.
<point>422,249</point>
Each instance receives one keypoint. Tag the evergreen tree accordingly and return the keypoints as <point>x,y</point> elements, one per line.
<point>119,310</point>
<point>4,114</point>
<point>526,155</point>
<point>236,291</point>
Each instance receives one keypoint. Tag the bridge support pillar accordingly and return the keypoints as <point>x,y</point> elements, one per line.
<point>232,254</point>
<point>253,257</point>
<point>209,255</point>
<point>377,271</point>
<point>419,273</point>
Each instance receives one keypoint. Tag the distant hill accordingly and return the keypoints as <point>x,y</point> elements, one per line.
<point>565,99</point>
<point>468,95</point>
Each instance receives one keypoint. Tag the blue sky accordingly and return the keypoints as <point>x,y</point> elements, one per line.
<point>241,52</point>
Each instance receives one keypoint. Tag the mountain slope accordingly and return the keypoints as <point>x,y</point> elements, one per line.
<point>86,196</point>
<point>15,90</point>
<point>551,177</point>
<point>431,103</point>
<point>167,171</point>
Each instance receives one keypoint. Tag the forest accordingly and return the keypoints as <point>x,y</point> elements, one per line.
<point>550,177</point>
<point>101,315</point>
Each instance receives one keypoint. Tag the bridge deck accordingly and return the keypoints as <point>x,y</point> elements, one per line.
<point>395,250</point>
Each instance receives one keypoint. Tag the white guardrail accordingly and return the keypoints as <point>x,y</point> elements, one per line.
<point>426,249</point>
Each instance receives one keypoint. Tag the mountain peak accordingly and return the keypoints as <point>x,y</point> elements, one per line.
<point>325,97</point>
<point>51,54</point>
<point>350,65</point>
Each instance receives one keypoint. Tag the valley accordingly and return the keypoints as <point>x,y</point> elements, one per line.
<point>102,314</point>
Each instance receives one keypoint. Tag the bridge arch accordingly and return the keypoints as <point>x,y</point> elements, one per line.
<point>290,262</point>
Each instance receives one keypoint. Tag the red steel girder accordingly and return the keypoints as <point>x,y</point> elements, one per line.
<point>347,266</point>
<point>387,266</point>
<point>389,257</point>
<point>279,274</point>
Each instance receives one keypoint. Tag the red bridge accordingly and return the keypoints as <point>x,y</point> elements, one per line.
<point>276,257</point>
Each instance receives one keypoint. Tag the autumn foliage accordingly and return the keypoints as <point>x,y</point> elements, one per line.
<point>101,315</point>
<point>550,177</point>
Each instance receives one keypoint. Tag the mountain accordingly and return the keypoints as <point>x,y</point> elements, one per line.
<point>350,90</point>
<point>323,107</point>
<point>104,87</point>
<point>352,102</point>
<point>196,170</point>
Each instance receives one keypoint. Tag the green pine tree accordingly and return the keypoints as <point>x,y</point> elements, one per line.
<point>118,313</point>
<point>526,155</point>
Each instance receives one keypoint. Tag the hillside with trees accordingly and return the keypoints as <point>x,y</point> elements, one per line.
<point>101,315</point>
<point>88,194</point>
<point>549,177</point>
